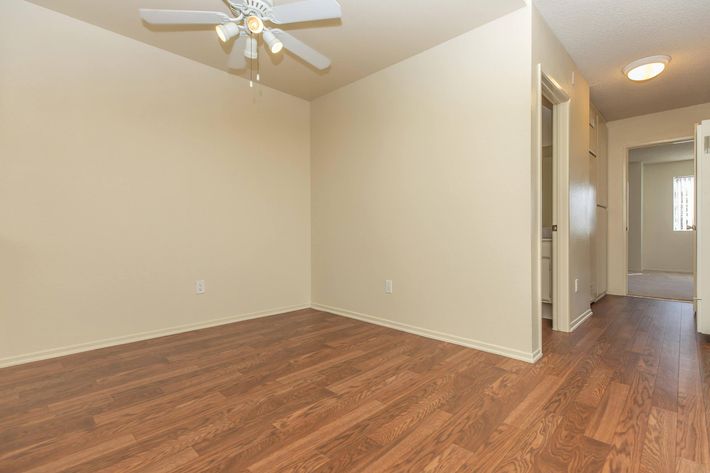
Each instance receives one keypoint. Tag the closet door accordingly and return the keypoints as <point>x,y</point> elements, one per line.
<point>602,186</point>
<point>593,252</point>
<point>600,241</point>
<point>593,130</point>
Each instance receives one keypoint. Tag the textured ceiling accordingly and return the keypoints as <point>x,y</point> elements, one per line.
<point>602,36</point>
<point>372,35</point>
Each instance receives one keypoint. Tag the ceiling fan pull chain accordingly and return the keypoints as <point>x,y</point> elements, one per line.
<point>251,64</point>
<point>258,66</point>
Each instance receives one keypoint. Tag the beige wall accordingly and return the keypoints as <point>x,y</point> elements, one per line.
<point>150,171</point>
<point>626,134</point>
<point>416,177</point>
<point>635,217</point>
<point>126,173</point>
<point>664,249</point>
<point>556,63</point>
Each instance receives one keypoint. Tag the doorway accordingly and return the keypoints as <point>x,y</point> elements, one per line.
<point>551,209</point>
<point>661,220</point>
<point>548,209</point>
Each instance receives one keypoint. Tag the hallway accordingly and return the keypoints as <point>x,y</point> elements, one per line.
<point>645,404</point>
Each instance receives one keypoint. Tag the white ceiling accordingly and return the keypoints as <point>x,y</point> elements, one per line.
<point>372,35</point>
<point>602,36</point>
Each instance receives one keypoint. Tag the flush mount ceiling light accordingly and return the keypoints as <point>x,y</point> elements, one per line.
<point>646,68</point>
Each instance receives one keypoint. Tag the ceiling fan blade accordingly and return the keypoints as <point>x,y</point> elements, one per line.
<point>306,10</point>
<point>183,17</point>
<point>302,50</point>
<point>236,56</point>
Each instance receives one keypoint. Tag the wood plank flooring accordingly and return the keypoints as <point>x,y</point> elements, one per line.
<point>629,391</point>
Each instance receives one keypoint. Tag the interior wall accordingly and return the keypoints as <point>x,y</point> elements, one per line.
<point>416,178</point>
<point>635,217</point>
<point>556,63</point>
<point>663,248</point>
<point>127,173</point>
<point>624,135</point>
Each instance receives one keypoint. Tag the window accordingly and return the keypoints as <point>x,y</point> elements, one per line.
<point>683,203</point>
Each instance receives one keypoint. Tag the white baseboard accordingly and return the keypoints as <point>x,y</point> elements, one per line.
<point>580,320</point>
<point>137,337</point>
<point>530,357</point>
<point>600,297</point>
<point>672,271</point>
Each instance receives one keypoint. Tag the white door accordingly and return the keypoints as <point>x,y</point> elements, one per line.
<point>702,218</point>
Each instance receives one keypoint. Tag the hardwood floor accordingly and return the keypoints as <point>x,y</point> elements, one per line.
<point>629,391</point>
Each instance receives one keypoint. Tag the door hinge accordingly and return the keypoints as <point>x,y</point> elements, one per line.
<point>554,228</point>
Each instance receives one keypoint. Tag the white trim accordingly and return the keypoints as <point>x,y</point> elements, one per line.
<point>580,320</point>
<point>599,297</point>
<point>546,85</point>
<point>536,355</point>
<point>530,357</point>
<point>698,266</point>
<point>625,208</point>
<point>137,337</point>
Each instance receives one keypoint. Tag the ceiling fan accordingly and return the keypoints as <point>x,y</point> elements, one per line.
<point>248,22</point>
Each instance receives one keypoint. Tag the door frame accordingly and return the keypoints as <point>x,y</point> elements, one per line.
<point>625,196</point>
<point>548,86</point>
<point>702,149</point>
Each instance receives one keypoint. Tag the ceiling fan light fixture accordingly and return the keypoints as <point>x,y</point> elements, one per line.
<point>245,21</point>
<point>250,51</point>
<point>255,24</point>
<point>227,31</point>
<point>274,44</point>
<point>646,68</point>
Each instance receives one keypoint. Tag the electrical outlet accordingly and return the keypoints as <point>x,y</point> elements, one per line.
<point>576,285</point>
<point>200,286</point>
<point>388,286</point>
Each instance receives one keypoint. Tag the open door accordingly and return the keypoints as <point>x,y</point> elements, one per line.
<point>702,218</point>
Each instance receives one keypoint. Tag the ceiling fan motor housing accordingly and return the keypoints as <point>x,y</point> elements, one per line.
<point>261,8</point>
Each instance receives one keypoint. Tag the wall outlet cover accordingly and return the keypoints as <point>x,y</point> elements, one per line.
<point>200,286</point>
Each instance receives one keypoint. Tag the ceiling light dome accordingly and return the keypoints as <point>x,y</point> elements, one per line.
<point>275,46</point>
<point>255,24</point>
<point>227,31</point>
<point>646,68</point>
